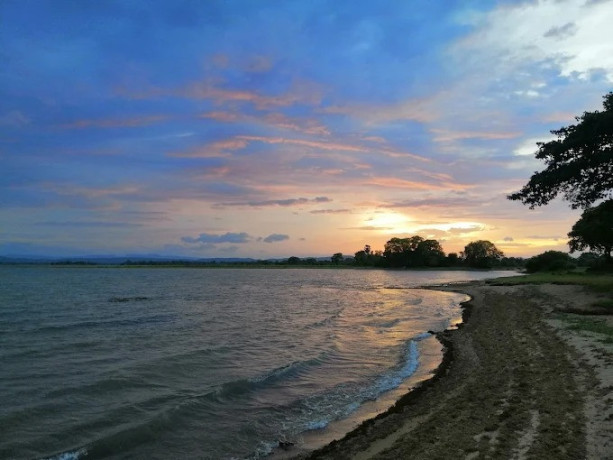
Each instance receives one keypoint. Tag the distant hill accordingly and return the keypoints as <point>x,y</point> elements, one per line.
<point>116,260</point>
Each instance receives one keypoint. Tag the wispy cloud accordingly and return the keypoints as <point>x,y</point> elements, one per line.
<point>116,123</point>
<point>14,118</point>
<point>211,238</point>
<point>275,119</point>
<point>283,202</point>
<point>331,211</point>
<point>275,238</point>
<point>300,93</point>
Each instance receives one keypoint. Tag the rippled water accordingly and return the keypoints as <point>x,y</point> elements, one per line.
<point>202,363</point>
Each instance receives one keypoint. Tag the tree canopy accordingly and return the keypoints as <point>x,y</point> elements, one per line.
<point>579,162</point>
<point>550,261</point>
<point>481,254</point>
<point>594,230</point>
<point>414,251</point>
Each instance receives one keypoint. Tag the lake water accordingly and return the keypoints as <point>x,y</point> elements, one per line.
<point>207,363</point>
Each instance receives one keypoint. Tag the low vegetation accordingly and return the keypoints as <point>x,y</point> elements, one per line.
<point>597,326</point>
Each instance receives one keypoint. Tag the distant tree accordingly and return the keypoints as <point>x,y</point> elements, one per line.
<point>579,163</point>
<point>594,230</point>
<point>512,262</point>
<point>481,254</point>
<point>452,259</point>
<point>588,259</point>
<point>337,258</point>
<point>293,260</point>
<point>429,253</point>
<point>310,261</point>
<point>400,252</point>
<point>550,261</point>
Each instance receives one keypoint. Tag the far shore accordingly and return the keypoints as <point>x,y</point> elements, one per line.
<point>517,380</point>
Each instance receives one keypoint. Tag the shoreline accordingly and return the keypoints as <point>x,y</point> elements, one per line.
<point>493,394</point>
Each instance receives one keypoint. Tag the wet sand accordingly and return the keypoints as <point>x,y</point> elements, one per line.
<point>515,382</point>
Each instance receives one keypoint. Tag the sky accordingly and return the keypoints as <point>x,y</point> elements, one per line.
<point>269,129</point>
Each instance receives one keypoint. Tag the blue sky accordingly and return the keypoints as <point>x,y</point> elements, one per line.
<point>279,128</point>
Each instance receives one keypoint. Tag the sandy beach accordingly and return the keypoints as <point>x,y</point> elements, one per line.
<point>515,382</point>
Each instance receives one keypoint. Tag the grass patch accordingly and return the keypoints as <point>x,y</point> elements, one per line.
<point>590,325</point>
<point>606,303</point>
<point>597,282</point>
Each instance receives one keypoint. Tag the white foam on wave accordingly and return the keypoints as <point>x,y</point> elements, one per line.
<point>422,336</point>
<point>75,455</point>
<point>383,384</point>
<point>394,379</point>
<point>317,424</point>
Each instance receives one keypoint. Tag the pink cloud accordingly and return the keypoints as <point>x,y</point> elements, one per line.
<point>445,135</point>
<point>394,182</point>
<point>222,116</point>
<point>277,120</point>
<point>217,149</point>
<point>420,110</point>
<point>300,92</point>
<point>333,146</point>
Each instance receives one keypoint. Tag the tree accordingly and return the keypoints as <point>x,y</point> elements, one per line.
<point>429,253</point>
<point>337,258</point>
<point>550,261</point>
<point>399,252</point>
<point>579,163</point>
<point>481,254</point>
<point>594,230</point>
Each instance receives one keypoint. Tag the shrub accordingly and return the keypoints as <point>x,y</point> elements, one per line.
<point>550,261</point>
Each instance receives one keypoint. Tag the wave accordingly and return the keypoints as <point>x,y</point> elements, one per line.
<point>324,409</point>
<point>289,370</point>
<point>177,409</point>
<point>151,319</point>
<point>137,298</point>
<point>326,321</point>
<point>70,455</point>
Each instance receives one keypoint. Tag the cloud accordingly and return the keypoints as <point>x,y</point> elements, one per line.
<point>284,203</point>
<point>436,202</point>
<point>116,123</point>
<point>275,237</point>
<point>445,135</point>
<point>567,30</point>
<point>210,238</point>
<point>93,224</point>
<point>538,237</point>
<point>511,37</point>
<point>259,64</point>
<point>394,182</point>
<point>14,118</point>
<point>299,93</point>
<point>335,146</point>
<point>216,149</point>
<point>507,238</point>
<point>304,125</point>
<point>331,211</point>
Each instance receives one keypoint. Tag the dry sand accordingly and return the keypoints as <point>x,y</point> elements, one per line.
<point>514,383</point>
